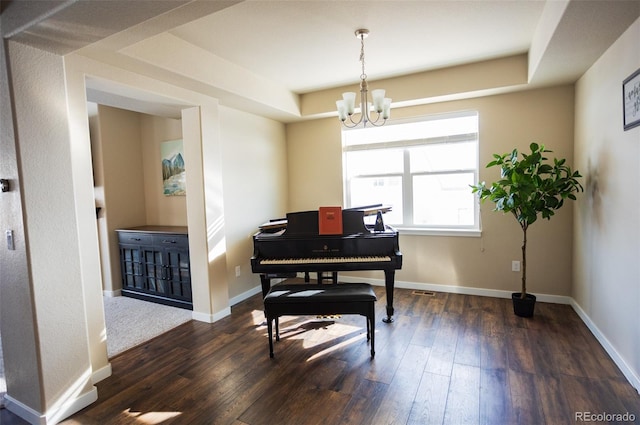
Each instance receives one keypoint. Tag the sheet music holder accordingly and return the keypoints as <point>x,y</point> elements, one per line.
<point>276,225</point>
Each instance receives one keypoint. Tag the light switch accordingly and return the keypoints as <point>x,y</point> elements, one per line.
<point>10,245</point>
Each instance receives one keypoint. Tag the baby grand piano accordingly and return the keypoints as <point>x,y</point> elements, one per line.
<point>296,245</point>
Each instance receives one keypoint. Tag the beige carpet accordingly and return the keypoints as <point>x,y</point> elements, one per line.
<point>131,322</point>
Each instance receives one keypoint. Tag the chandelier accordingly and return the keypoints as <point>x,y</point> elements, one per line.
<point>381,106</point>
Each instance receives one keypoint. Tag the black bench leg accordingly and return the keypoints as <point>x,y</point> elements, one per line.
<point>277,329</point>
<point>372,320</point>
<point>368,328</point>
<point>371,329</point>
<point>373,340</point>
<point>270,330</point>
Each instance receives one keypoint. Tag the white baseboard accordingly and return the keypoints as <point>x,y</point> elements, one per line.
<point>627,371</point>
<point>466,290</point>
<point>111,294</point>
<point>73,406</point>
<point>56,414</point>
<point>23,411</point>
<point>248,294</point>
<point>211,318</point>
<point>101,374</point>
<point>251,292</point>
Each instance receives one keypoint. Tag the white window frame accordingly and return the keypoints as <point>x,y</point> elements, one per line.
<point>407,176</point>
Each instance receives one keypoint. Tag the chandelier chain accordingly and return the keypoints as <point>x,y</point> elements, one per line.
<point>363,76</point>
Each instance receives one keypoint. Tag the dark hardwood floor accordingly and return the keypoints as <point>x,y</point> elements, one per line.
<point>447,359</point>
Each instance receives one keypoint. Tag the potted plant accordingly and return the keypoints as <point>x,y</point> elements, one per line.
<point>530,186</point>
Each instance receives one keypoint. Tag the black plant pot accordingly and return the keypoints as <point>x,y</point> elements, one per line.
<point>523,307</point>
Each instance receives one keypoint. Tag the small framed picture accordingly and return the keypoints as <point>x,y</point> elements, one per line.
<point>174,179</point>
<point>631,100</point>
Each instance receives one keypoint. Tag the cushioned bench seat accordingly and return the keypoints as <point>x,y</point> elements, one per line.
<point>320,299</point>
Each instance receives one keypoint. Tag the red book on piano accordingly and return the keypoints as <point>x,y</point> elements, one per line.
<point>330,221</point>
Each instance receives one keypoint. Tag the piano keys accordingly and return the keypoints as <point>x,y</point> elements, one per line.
<point>327,260</point>
<point>295,245</point>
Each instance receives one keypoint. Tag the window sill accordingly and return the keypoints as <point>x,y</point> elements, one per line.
<point>465,233</point>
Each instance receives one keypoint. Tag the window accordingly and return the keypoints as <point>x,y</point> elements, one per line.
<point>423,169</point>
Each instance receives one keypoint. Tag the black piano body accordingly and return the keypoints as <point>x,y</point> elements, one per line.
<point>299,247</point>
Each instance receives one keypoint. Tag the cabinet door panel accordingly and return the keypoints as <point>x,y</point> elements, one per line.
<point>178,273</point>
<point>153,270</point>
<point>131,267</point>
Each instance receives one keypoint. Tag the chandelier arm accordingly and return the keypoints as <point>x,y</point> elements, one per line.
<point>349,126</point>
<point>356,122</point>
<point>376,123</point>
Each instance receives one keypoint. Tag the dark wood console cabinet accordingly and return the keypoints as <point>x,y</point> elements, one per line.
<point>155,264</point>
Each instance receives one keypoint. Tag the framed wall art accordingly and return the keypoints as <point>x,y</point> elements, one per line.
<point>174,179</point>
<point>631,100</point>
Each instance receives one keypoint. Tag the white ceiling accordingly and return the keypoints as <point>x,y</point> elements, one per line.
<point>310,45</point>
<point>307,45</point>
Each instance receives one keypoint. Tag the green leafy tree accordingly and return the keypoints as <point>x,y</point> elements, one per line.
<point>529,187</point>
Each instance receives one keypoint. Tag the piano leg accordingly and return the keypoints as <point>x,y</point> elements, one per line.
<point>266,284</point>
<point>389,279</point>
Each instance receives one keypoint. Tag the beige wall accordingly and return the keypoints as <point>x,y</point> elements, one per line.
<point>255,177</point>
<point>607,219</point>
<point>507,121</point>
<point>19,334</point>
<point>48,302</point>
<point>160,209</point>
<point>119,184</point>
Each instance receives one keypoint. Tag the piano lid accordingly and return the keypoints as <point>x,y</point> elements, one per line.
<point>306,222</point>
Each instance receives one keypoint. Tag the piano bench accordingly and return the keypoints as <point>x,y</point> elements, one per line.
<point>320,299</point>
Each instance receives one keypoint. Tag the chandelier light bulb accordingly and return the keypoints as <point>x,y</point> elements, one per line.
<point>349,99</point>
<point>386,108</point>
<point>378,99</point>
<point>342,111</point>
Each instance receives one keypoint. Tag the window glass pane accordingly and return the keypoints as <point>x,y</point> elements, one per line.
<point>375,190</point>
<point>437,126</point>
<point>423,169</point>
<point>385,161</point>
<point>443,200</point>
<point>444,156</point>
